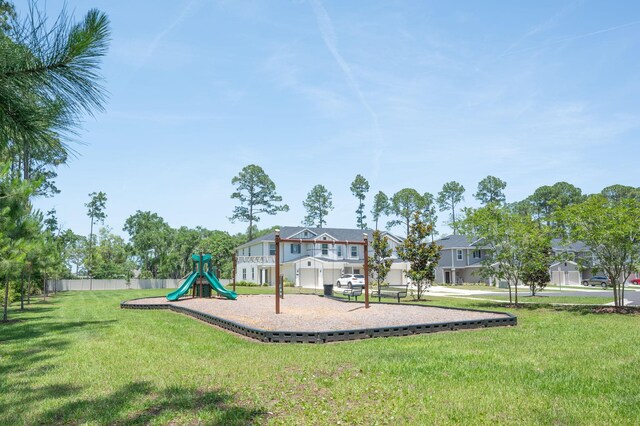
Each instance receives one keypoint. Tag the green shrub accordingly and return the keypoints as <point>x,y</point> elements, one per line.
<point>246,284</point>
<point>13,296</point>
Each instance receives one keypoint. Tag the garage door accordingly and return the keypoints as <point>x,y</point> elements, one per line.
<point>395,277</point>
<point>308,278</point>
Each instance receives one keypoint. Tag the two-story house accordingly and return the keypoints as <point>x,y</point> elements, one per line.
<point>461,257</point>
<point>313,264</point>
<point>460,260</point>
<point>575,263</point>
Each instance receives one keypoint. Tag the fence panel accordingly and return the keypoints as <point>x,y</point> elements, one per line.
<point>133,284</point>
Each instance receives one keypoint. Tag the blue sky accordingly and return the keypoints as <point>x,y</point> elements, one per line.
<point>408,94</point>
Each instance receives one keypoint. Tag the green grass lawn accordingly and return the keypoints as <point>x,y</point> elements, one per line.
<point>481,287</point>
<point>542,299</point>
<point>77,358</point>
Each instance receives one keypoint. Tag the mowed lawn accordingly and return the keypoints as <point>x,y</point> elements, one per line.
<point>78,358</point>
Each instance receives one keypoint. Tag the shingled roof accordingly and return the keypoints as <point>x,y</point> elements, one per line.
<point>341,234</point>
<point>454,241</point>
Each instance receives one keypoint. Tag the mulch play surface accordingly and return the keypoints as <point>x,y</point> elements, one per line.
<point>316,313</point>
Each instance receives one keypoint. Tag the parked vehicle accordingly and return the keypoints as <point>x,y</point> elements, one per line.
<point>600,280</point>
<point>635,281</point>
<point>349,280</point>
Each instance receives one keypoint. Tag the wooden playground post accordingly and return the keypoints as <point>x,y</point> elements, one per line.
<point>277,271</point>
<point>366,270</point>
<point>364,243</point>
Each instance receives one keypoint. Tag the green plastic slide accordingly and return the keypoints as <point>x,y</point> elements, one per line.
<point>183,289</point>
<point>217,286</point>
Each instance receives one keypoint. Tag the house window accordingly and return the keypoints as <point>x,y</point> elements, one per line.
<point>308,263</point>
<point>477,254</point>
<point>339,251</point>
<point>272,249</point>
<point>295,248</point>
<point>243,252</point>
<point>354,251</point>
<point>253,274</point>
<point>249,251</point>
<point>244,273</point>
<point>459,254</point>
<point>356,271</point>
<point>325,249</point>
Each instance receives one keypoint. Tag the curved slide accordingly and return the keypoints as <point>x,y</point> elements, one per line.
<point>183,289</point>
<point>217,286</point>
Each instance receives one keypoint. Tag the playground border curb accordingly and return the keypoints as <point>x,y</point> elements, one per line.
<point>268,336</point>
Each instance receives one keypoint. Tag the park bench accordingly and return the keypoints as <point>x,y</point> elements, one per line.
<point>395,291</point>
<point>354,292</point>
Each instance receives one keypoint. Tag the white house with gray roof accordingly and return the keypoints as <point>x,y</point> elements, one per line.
<point>311,265</point>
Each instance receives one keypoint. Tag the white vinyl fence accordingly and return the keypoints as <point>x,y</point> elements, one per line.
<point>134,284</point>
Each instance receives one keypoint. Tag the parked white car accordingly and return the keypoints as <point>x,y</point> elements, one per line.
<point>349,280</point>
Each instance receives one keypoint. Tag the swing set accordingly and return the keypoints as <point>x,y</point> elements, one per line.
<point>279,284</point>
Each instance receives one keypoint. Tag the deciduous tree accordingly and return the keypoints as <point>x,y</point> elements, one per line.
<point>111,256</point>
<point>515,247</point>
<point>539,256</point>
<point>150,238</point>
<point>221,245</point>
<point>422,255</point>
<point>611,230</point>
<point>380,261</point>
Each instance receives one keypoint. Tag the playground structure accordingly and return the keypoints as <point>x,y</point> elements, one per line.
<point>201,281</point>
<point>279,284</point>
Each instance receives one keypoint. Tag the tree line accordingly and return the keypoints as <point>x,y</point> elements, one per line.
<point>257,194</point>
<point>517,235</point>
<point>49,80</point>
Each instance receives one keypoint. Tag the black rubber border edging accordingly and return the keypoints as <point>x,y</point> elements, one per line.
<point>267,336</point>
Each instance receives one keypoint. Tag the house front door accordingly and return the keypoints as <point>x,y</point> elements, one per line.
<point>447,277</point>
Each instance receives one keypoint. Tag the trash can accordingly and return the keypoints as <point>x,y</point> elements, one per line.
<point>328,289</point>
